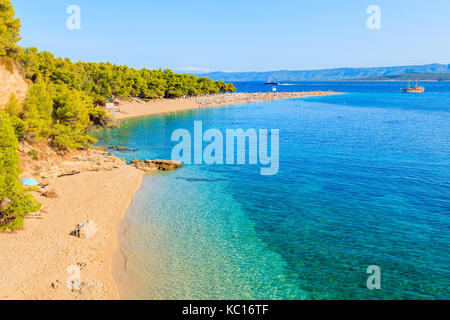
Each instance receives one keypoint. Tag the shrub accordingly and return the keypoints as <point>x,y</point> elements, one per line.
<point>98,116</point>
<point>19,127</point>
<point>9,158</point>
<point>13,106</point>
<point>14,109</point>
<point>13,218</point>
<point>21,204</point>
<point>28,59</point>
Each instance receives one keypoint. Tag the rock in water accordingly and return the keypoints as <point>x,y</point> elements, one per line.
<point>166,165</point>
<point>153,165</point>
<point>141,165</point>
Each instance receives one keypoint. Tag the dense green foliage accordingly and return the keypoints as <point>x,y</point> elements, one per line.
<point>100,80</point>
<point>37,111</point>
<point>19,203</point>
<point>71,93</point>
<point>71,112</point>
<point>9,29</point>
<point>64,98</point>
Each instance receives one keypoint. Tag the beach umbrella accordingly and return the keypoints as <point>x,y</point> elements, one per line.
<point>28,182</point>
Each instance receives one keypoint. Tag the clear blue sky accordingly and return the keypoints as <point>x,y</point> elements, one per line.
<point>244,35</point>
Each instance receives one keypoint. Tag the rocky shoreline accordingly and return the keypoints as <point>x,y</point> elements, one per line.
<point>95,159</point>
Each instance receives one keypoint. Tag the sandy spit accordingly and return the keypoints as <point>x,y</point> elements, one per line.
<point>135,108</point>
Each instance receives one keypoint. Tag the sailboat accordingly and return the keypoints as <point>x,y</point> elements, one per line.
<point>416,89</point>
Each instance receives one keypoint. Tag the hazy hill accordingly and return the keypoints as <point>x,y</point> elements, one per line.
<point>412,76</point>
<point>326,74</point>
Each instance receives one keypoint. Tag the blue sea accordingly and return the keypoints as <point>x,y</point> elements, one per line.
<point>364,180</point>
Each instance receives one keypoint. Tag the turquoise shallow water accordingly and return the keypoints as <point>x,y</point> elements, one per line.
<point>364,180</point>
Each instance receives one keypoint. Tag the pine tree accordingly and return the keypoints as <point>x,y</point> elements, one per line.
<point>15,203</point>
<point>72,115</point>
<point>37,111</point>
<point>14,109</point>
<point>9,157</point>
<point>9,29</point>
<point>29,60</point>
<point>13,106</point>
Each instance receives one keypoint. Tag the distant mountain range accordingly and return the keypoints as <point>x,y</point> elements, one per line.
<point>328,74</point>
<point>411,76</point>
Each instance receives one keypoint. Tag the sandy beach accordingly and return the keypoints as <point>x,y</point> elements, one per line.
<point>89,186</point>
<point>137,108</point>
<point>35,260</point>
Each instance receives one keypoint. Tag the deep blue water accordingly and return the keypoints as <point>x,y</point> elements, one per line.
<point>364,180</point>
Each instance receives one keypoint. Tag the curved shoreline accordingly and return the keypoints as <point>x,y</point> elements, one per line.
<point>117,254</point>
<point>137,109</point>
<point>39,269</point>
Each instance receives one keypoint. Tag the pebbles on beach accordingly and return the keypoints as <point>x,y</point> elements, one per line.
<point>236,98</point>
<point>155,165</point>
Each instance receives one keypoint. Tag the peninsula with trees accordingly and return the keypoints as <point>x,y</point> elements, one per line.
<point>62,99</point>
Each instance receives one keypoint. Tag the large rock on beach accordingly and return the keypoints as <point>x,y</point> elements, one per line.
<point>85,230</point>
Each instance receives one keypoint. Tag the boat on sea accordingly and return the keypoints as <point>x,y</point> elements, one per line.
<point>416,89</point>
<point>272,83</point>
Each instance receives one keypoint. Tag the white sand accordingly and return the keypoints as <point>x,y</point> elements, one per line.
<point>33,259</point>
